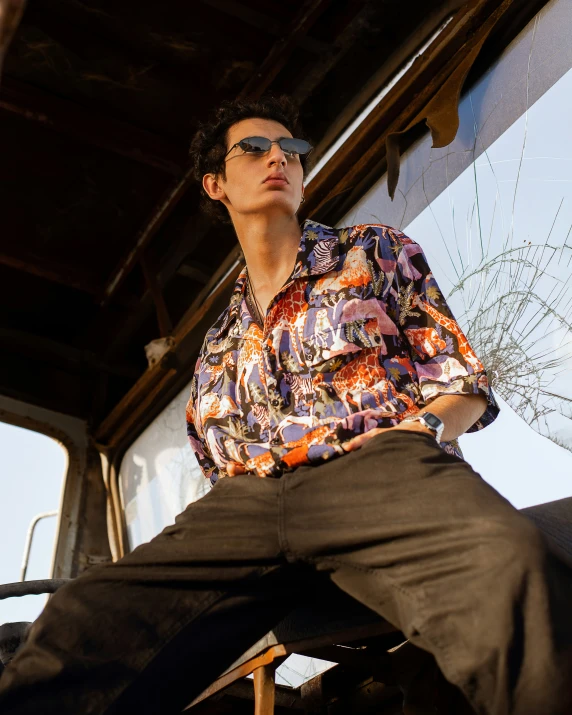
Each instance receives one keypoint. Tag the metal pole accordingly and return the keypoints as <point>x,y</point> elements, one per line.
<point>29,538</point>
<point>32,588</point>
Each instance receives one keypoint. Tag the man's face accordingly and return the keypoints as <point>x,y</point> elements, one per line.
<point>270,184</point>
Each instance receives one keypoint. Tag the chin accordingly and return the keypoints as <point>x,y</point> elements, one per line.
<point>279,199</point>
<point>274,204</point>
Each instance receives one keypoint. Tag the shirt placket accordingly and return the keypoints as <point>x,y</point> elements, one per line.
<point>269,365</point>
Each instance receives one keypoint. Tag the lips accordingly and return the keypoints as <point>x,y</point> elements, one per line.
<point>277,179</point>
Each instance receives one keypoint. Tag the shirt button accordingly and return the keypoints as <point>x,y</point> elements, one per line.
<point>267,348</point>
<point>275,403</point>
<point>275,440</point>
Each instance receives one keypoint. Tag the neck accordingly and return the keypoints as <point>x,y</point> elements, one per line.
<point>270,247</point>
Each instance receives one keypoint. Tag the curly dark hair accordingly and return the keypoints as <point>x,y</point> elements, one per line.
<point>209,144</point>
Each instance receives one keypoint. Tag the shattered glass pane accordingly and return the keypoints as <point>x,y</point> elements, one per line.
<point>493,212</point>
<point>508,265</point>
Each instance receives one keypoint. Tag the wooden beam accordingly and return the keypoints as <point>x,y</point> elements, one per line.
<point>192,234</point>
<point>153,286</point>
<point>264,689</point>
<point>11,12</point>
<point>243,689</point>
<point>194,271</point>
<point>347,690</point>
<point>59,354</point>
<point>51,272</point>
<point>265,23</point>
<point>353,168</point>
<point>275,653</point>
<point>157,383</point>
<point>274,62</point>
<point>92,128</point>
<point>160,214</point>
<point>280,651</point>
<point>280,53</point>
<point>61,275</point>
<point>398,57</point>
<point>316,72</point>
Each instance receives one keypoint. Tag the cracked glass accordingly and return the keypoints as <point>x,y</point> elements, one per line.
<point>493,213</point>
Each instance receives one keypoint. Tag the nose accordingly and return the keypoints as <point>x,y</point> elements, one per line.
<point>276,156</point>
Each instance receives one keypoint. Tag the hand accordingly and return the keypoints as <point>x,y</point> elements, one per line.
<point>235,468</point>
<point>361,439</point>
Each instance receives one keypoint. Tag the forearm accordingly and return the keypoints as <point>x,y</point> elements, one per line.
<point>458,413</point>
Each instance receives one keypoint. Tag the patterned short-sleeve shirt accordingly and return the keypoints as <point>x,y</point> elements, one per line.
<point>358,337</point>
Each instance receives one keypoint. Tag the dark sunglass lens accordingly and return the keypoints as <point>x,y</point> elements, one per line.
<point>255,145</point>
<point>295,146</point>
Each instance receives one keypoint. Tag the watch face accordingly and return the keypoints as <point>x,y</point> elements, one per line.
<point>432,420</point>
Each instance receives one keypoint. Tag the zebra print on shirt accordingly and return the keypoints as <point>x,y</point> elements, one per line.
<point>323,253</point>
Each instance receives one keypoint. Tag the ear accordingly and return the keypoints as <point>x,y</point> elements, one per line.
<point>212,184</point>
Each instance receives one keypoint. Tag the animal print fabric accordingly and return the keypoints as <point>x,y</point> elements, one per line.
<point>359,336</point>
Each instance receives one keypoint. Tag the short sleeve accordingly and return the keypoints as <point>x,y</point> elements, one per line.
<point>196,436</point>
<point>442,356</point>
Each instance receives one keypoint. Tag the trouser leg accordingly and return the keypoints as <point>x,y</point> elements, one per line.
<point>151,632</point>
<point>417,536</point>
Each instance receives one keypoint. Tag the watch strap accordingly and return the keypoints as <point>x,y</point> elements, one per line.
<point>437,430</point>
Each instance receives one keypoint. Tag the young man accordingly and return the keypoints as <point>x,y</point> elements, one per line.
<point>335,343</point>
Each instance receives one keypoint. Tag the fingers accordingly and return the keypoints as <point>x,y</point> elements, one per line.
<point>234,468</point>
<point>361,439</point>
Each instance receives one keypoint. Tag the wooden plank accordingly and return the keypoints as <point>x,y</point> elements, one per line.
<point>273,63</point>
<point>344,173</point>
<point>60,355</point>
<point>62,275</point>
<point>190,237</point>
<point>160,214</point>
<point>194,271</point>
<point>285,695</point>
<point>68,118</point>
<point>141,400</point>
<point>163,318</point>
<point>264,689</point>
<point>317,70</point>
<point>284,47</point>
<point>266,23</point>
<point>11,12</point>
<point>282,650</point>
<point>50,272</point>
<point>398,57</point>
<point>276,652</point>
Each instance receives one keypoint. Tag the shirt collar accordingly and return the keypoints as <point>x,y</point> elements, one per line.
<point>318,253</point>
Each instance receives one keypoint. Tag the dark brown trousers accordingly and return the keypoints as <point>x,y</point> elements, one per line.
<point>410,531</point>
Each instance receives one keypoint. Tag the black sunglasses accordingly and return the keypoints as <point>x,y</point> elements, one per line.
<point>261,145</point>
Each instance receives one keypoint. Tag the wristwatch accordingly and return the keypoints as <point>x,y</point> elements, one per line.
<point>430,421</point>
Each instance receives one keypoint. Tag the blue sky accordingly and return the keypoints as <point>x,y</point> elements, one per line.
<point>33,467</point>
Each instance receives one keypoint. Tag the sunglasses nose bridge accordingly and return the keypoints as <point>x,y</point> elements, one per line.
<point>274,152</point>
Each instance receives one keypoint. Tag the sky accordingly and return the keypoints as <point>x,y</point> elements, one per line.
<point>32,472</point>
